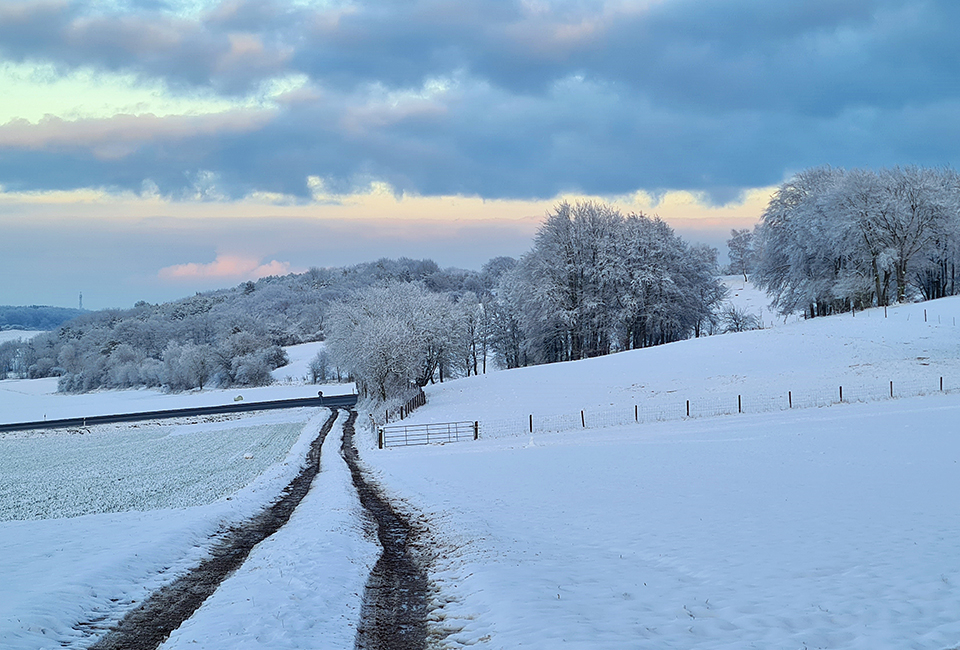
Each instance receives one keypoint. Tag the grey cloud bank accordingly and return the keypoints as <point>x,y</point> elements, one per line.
<point>501,99</point>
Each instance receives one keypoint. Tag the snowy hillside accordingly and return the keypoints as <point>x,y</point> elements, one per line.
<point>813,528</point>
<point>776,528</point>
<point>807,361</point>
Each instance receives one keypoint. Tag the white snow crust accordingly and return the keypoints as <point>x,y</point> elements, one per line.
<point>829,527</point>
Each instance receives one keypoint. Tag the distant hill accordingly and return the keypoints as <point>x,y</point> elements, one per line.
<point>35,317</point>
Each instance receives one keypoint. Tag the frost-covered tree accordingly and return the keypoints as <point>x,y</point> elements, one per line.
<point>392,338</point>
<point>597,281</point>
<point>831,240</point>
<point>319,367</point>
<point>736,319</point>
<point>740,247</point>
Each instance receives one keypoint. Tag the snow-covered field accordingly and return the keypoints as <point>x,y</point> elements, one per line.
<point>821,527</point>
<point>298,370</point>
<point>64,571</point>
<point>17,335</point>
<point>139,466</point>
<point>29,400</point>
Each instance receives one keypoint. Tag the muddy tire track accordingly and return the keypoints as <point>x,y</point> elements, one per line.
<point>394,613</point>
<point>149,625</point>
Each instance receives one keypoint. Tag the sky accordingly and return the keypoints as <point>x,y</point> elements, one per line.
<point>150,149</point>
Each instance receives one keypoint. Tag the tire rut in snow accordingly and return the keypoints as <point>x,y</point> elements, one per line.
<point>394,613</point>
<point>147,626</point>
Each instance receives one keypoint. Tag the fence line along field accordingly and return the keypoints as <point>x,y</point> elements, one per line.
<point>143,466</point>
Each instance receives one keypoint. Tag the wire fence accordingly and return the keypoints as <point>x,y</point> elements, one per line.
<point>678,408</point>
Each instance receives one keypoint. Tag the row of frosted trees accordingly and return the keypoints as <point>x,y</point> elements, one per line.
<point>596,281</point>
<point>832,240</point>
<point>228,337</point>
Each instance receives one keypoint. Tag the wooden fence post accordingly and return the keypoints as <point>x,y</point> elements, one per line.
<point>688,408</point>
<point>476,430</point>
<point>583,422</point>
<point>891,390</point>
<point>531,423</point>
<point>841,393</point>
<point>739,405</point>
<point>636,412</point>
<point>789,399</point>
<point>380,437</point>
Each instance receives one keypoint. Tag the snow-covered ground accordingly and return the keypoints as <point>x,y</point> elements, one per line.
<point>745,296</point>
<point>298,370</point>
<point>140,466</point>
<point>64,571</point>
<point>29,400</point>
<point>822,527</point>
<point>302,587</point>
<point>17,335</point>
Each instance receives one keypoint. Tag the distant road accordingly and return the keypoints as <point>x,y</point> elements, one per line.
<point>236,407</point>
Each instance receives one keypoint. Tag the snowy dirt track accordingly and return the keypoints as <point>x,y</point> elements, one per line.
<point>69,578</point>
<point>831,527</point>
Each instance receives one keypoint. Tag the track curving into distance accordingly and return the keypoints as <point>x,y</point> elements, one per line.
<point>394,613</point>
<point>147,626</point>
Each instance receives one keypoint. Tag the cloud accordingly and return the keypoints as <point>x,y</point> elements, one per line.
<point>497,98</point>
<point>225,267</point>
<point>119,136</point>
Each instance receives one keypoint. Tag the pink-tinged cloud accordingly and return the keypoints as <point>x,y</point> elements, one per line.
<point>121,135</point>
<point>225,267</point>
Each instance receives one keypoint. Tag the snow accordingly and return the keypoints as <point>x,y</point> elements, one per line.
<point>302,587</point>
<point>745,296</point>
<point>298,370</point>
<point>139,466</point>
<point>17,335</point>
<point>29,400</point>
<point>827,528</point>
<point>776,528</point>
<point>60,572</point>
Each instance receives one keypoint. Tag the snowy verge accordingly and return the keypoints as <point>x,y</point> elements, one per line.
<point>831,527</point>
<point>302,587</point>
<point>61,572</point>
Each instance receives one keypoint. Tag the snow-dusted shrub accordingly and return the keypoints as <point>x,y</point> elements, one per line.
<point>737,319</point>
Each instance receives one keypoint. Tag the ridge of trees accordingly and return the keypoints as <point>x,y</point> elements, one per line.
<point>228,337</point>
<point>35,317</point>
<point>596,281</point>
